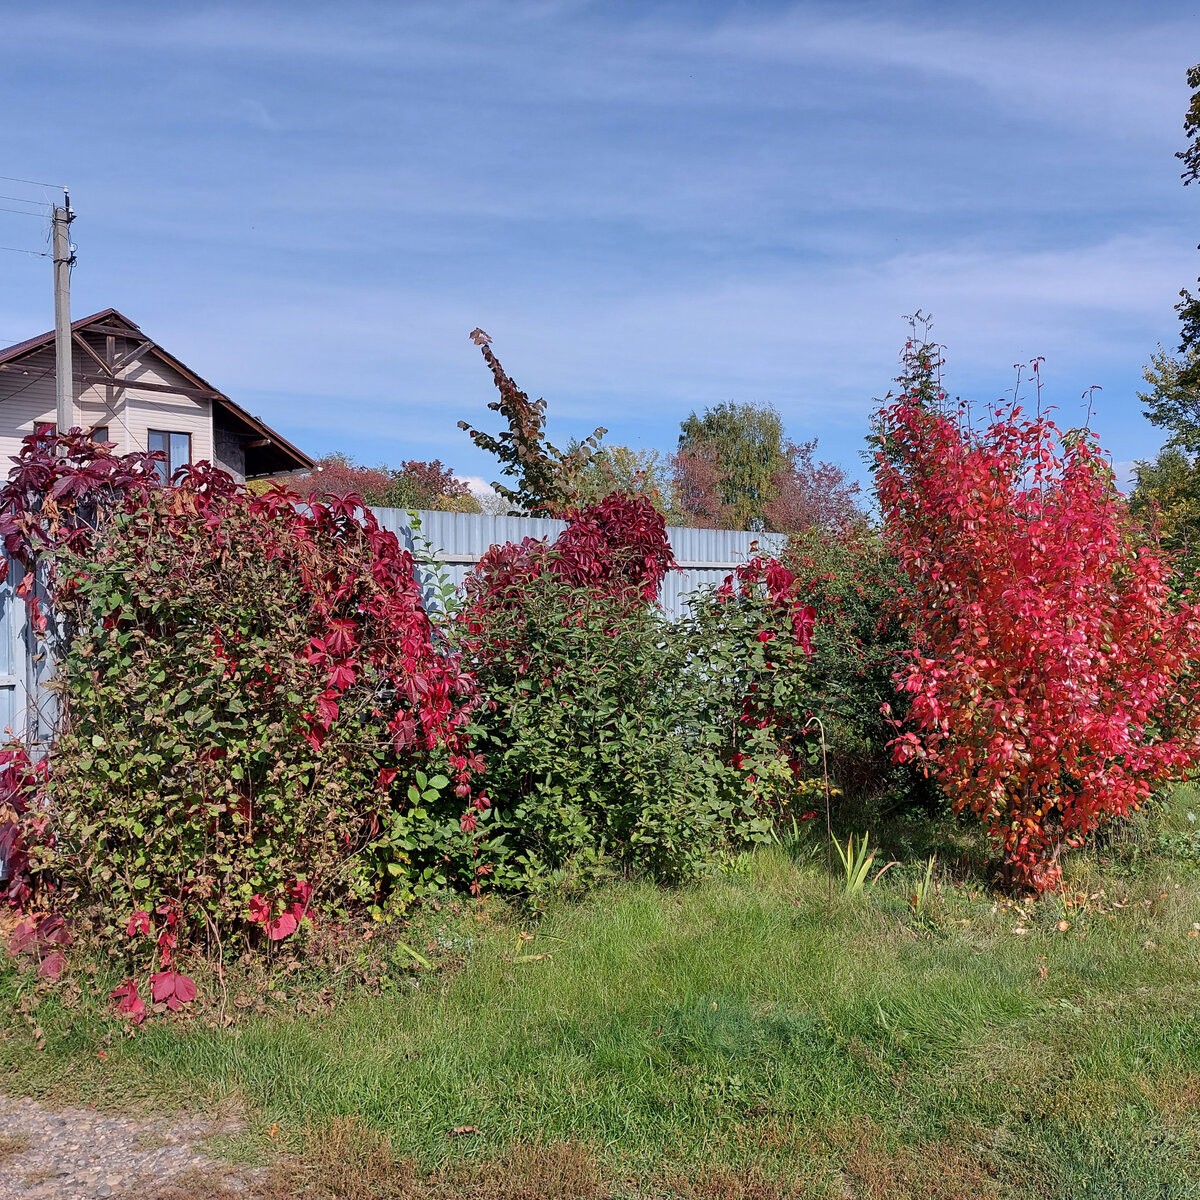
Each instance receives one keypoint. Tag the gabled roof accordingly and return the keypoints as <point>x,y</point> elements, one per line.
<point>29,345</point>
<point>273,454</point>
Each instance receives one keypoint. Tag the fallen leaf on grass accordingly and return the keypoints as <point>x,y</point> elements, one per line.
<point>172,989</point>
<point>460,1130</point>
<point>51,967</point>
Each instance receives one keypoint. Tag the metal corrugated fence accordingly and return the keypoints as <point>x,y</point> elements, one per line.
<point>459,540</point>
<point>28,710</point>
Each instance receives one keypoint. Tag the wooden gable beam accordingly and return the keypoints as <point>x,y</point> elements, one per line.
<point>123,360</point>
<point>114,331</point>
<point>83,344</point>
<point>168,388</point>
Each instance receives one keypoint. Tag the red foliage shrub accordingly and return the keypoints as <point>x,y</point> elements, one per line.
<point>252,693</point>
<point>24,822</point>
<point>618,547</point>
<point>338,475</point>
<point>1052,679</point>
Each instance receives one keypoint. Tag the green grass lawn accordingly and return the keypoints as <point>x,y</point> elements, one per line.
<point>742,1037</point>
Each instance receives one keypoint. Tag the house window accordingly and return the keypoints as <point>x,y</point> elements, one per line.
<point>44,431</point>
<point>99,434</point>
<point>177,447</point>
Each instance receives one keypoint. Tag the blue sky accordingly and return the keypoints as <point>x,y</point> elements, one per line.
<point>651,208</point>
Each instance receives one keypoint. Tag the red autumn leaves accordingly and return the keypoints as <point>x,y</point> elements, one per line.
<point>615,548</point>
<point>168,988</point>
<point>1051,675</point>
<point>173,989</point>
<point>281,921</point>
<point>39,942</point>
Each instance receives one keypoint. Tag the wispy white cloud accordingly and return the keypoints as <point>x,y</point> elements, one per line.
<point>650,207</point>
<point>1123,77</point>
<point>480,488</point>
<point>818,344</point>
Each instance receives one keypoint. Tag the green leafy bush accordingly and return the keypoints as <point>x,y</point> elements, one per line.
<point>616,739</point>
<point>859,642</point>
<point>259,722</point>
<point>746,650</point>
<point>600,755</point>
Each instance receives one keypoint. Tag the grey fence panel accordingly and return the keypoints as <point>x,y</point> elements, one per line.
<point>455,540</point>
<point>704,557</point>
<point>14,669</point>
<point>459,540</point>
<point>41,721</point>
<point>28,708</point>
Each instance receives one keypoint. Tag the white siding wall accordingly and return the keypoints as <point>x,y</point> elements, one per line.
<point>27,399</point>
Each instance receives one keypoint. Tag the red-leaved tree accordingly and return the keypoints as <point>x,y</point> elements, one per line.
<point>1052,676</point>
<point>813,495</point>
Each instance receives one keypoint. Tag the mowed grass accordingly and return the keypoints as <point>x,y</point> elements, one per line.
<point>742,1037</point>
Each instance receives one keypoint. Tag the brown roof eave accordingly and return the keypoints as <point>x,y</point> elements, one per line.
<point>288,456</point>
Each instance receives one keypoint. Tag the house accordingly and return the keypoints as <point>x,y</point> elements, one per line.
<point>131,391</point>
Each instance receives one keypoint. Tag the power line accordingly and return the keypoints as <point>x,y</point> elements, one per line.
<point>23,200</point>
<point>36,379</point>
<point>58,187</point>
<point>22,212</point>
<point>18,250</point>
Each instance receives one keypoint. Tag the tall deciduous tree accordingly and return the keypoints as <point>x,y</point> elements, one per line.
<point>1167,493</point>
<point>1189,305</point>
<point>619,470</point>
<point>1167,497</point>
<point>813,495</point>
<point>744,445</point>
<point>1173,399</point>
<point>429,485</point>
<point>734,469</point>
<point>414,484</point>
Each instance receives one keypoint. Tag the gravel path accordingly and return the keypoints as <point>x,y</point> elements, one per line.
<point>78,1154</point>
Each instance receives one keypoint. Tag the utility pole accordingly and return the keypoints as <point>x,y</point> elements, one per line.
<point>63,377</point>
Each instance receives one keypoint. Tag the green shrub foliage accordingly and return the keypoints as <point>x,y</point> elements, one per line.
<point>259,723</point>
<point>746,653</point>
<point>598,755</point>
<point>860,640</point>
<point>615,739</point>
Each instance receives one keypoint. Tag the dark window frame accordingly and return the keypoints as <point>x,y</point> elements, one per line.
<point>167,469</point>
